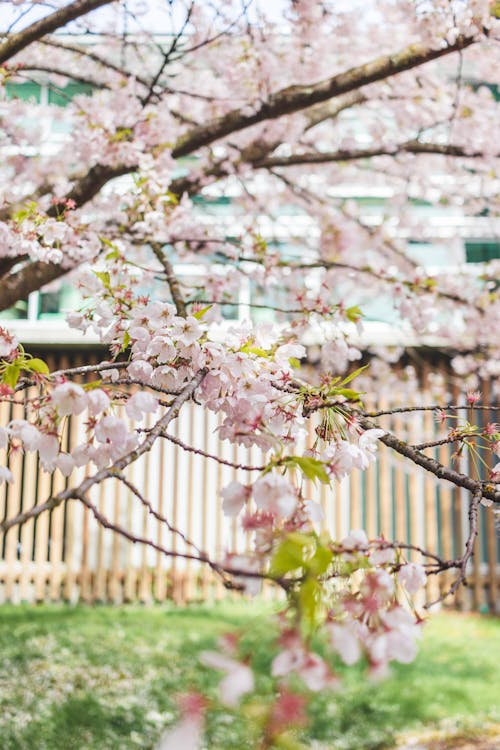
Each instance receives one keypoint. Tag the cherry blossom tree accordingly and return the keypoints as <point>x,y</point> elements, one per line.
<point>287,110</point>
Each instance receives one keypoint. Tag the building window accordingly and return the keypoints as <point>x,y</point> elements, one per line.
<point>481,251</point>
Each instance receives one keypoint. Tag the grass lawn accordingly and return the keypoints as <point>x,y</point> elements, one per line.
<point>104,678</point>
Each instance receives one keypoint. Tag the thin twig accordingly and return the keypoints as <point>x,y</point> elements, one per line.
<point>172,280</point>
<point>445,441</point>
<point>473,515</point>
<point>116,467</point>
<point>203,453</point>
<point>435,407</point>
<point>159,517</point>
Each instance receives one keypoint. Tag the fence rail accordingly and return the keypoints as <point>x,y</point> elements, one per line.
<point>67,555</point>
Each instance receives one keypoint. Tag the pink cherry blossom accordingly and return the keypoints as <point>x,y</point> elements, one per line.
<point>238,681</point>
<point>356,539</point>
<point>8,343</point>
<point>382,556</point>
<point>139,404</point>
<point>345,641</point>
<point>412,576</point>
<point>398,641</point>
<point>250,585</point>
<point>312,669</point>
<point>368,445</point>
<point>26,432</point>
<point>187,330</point>
<point>186,734</point>
<point>315,672</point>
<point>234,497</point>
<point>274,494</point>
<point>65,463</point>
<point>111,429</point>
<point>140,370</point>
<point>48,450</point>
<point>112,202</point>
<point>69,398</point>
<point>82,454</point>
<point>98,401</point>
<point>288,710</point>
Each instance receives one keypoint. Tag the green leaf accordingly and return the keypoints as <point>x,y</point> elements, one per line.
<point>121,134</point>
<point>250,349</point>
<point>290,554</point>
<point>26,212</point>
<point>200,313</point>
<point>107,243</point>
<point>11,374</point>
<point>173,198</point>
<point>353,375</point>
<point>348,393</point>
<point>354,313</point>
<point>126,341</point>
<point>93,384</point>
<point>104,277</point>
<point>310,603</point>
<point>36,365</point>
<point>320,561</point>
<point>312,468</point>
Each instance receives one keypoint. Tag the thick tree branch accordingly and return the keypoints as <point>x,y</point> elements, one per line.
<point>292,99</point>
<point>433,466</point>
<point>29,278</point>
<point>88,186</point>
<point>17,42</point>
<point>409,147</point>
<point>321,112</point>
<point>35,275</point>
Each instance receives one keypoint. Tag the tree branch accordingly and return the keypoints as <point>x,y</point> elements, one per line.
<point>321,112</point>
<point>35,275</point>
<point>462,563</point>
<point>17,42</point>
<point>172,280</point>
<point>416,456</point>
<point>433,466</point>
<point>51,70</point>
<point>200,452</point>
<point>294,98</point>
<point>409,147</point>
<point>95,58</point>
<point>117,467</point>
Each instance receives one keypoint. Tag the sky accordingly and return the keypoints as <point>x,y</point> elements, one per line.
<point>152,13</point>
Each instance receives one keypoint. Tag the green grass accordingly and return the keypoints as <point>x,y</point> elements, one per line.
<point>103,678</point>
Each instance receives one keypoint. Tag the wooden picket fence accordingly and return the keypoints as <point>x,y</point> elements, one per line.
<point>67,555</point>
